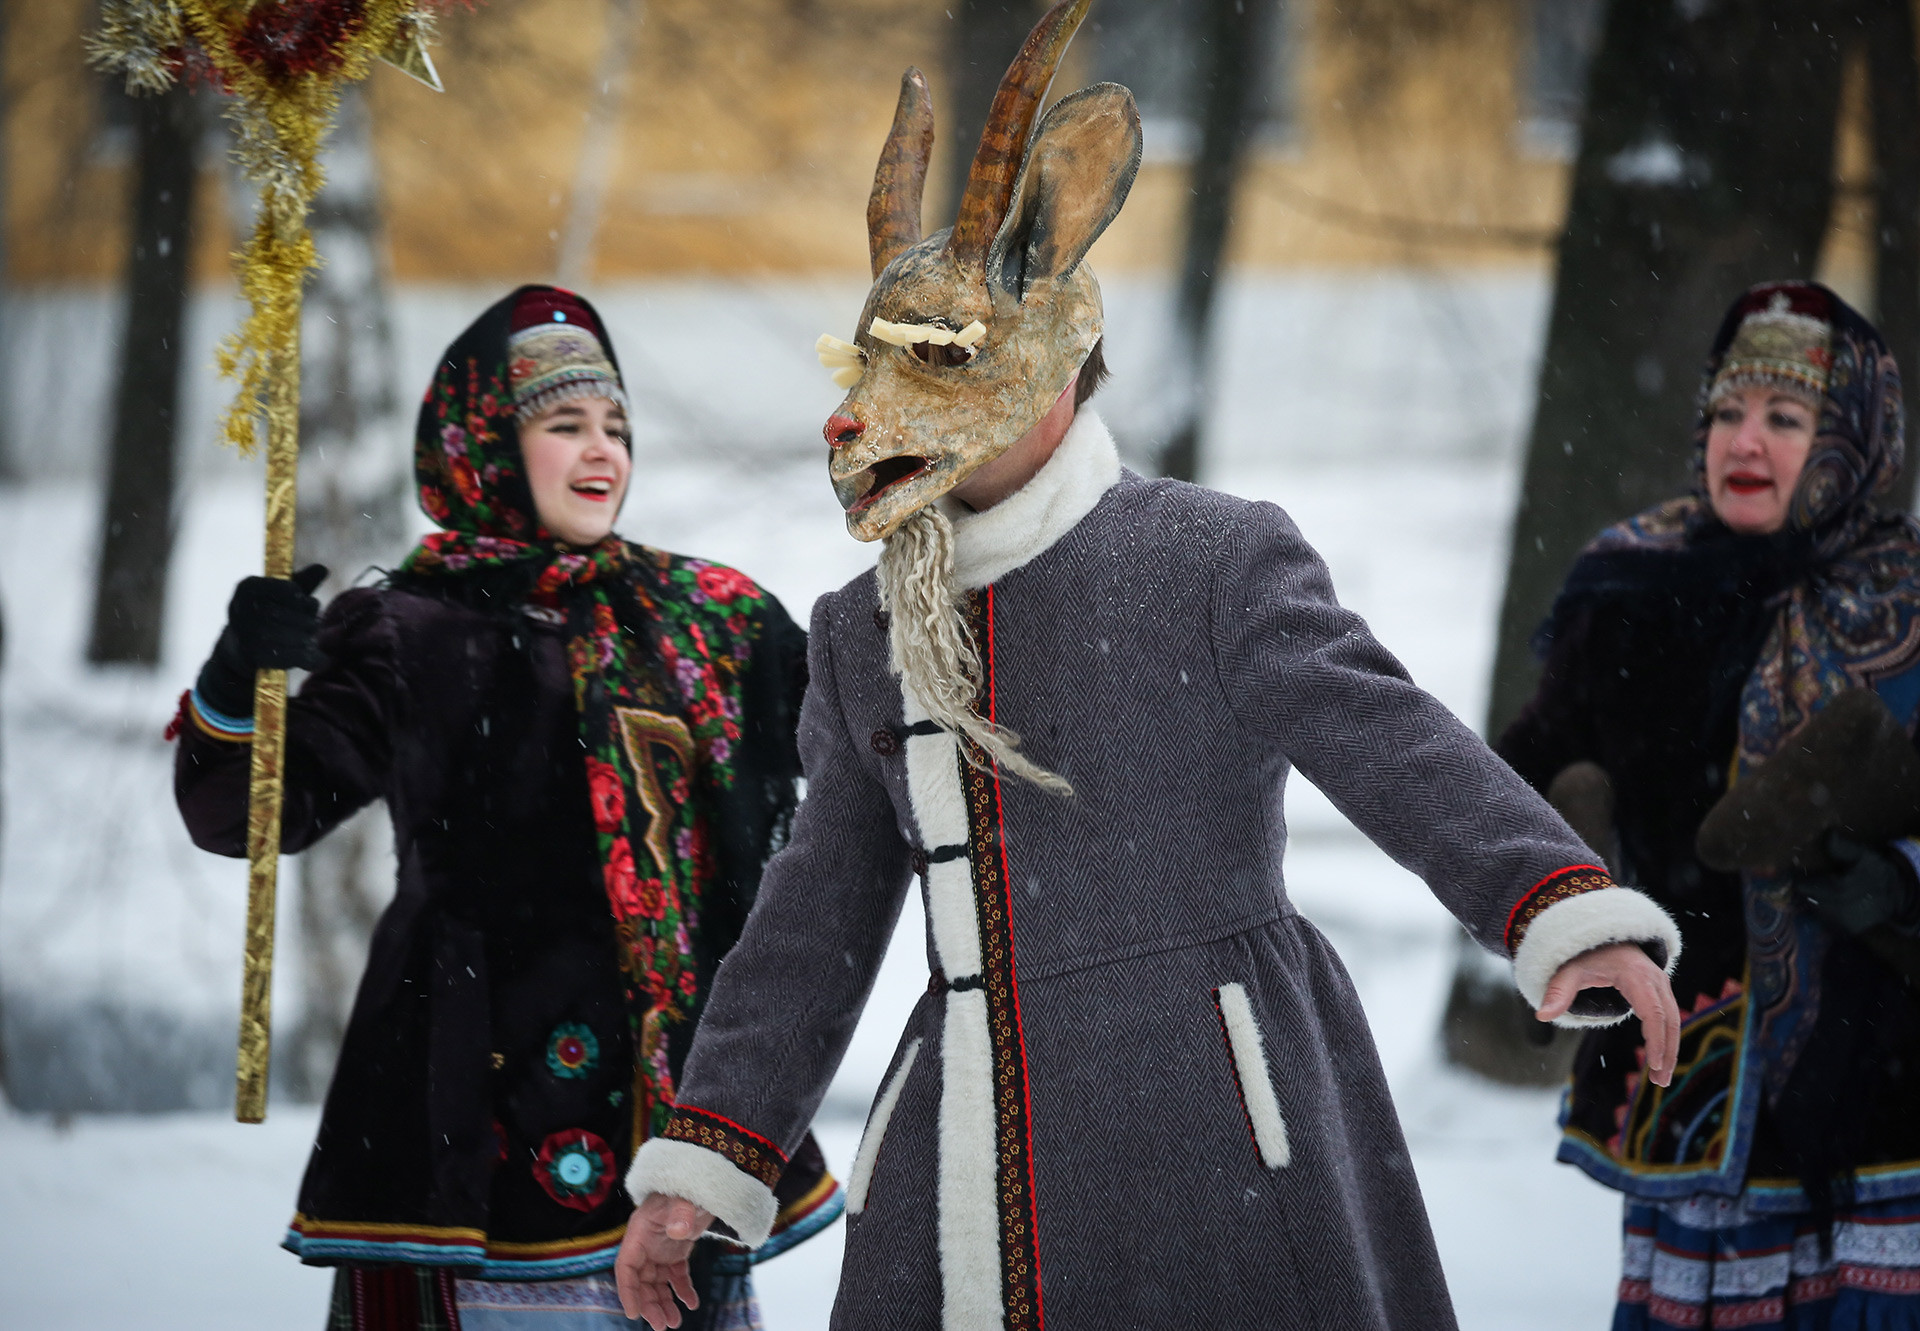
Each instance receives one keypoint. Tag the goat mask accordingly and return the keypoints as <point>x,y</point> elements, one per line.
<point>970,335</point>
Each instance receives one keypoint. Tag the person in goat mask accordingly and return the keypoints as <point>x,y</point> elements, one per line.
<point>1140,1090</point>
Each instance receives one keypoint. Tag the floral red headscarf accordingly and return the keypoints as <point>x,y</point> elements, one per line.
<point>659,647</point>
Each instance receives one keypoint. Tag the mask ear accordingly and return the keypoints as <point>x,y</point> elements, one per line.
<point>1077,173</point>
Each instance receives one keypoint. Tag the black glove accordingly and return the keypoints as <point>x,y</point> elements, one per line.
<point>1868,887</point>
<point>272,624</point>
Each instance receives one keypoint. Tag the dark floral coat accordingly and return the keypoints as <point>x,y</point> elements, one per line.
<point>484,1108</point>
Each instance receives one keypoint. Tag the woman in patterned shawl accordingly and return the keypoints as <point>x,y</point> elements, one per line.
<point>587,748</point>
<point>1776,1182</point>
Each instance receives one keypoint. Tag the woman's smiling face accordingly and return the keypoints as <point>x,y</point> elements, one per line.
<point>1757,442</point>
<point>577,467</point>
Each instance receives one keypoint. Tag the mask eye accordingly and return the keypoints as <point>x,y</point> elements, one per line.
<point>951,353</point>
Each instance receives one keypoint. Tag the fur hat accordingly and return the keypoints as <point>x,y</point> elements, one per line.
<point>556,352</point>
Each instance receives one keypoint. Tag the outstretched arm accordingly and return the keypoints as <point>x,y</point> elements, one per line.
<point>1305,673</point>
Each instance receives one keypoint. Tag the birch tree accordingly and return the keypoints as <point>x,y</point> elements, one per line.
<point>355,465</point>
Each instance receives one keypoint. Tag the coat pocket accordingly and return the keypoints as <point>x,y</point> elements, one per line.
<point>861,1178</point>
<point>1247,1058</point>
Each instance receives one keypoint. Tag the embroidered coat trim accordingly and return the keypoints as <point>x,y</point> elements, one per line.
<point>1013,1102</point>
<point>1562,885</point>
<point>745,1148</point>
<point>325,1243</point>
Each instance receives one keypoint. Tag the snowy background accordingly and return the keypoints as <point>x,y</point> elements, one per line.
<point>1384,412</point>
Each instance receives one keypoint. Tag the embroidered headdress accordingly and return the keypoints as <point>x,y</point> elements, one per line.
<point>556,352</point>
<point>1781,344</point>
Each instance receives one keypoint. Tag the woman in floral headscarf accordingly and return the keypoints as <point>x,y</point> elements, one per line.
<point>1776,1181</point>
<point>587,749</point>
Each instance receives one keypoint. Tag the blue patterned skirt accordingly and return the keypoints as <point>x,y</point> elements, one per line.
<point>1708,1262</point>
<point>592,1303</point>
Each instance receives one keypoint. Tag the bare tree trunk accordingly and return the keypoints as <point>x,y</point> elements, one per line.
<point>355,463</point>
<point>599,147</point>
<point>136,531</point>
<point>356,453</point>
<point>1236,44</point>
<point>1893,75</point>
<point>1705,165</point>
<point>986,37</point>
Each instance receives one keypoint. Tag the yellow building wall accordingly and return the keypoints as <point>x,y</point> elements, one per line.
<point>747,136</point>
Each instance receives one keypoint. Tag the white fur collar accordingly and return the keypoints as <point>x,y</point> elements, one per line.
<point>989,545</point>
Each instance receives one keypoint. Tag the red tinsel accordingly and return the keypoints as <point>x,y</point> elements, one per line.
<point>298,37</point>
<point>196,69</point>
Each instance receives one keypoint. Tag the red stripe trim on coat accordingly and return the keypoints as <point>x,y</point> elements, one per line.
<point>1013,965</point>
<point>1013,1104</point>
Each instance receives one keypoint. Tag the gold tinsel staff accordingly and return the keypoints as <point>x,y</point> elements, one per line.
<point>281,64</point>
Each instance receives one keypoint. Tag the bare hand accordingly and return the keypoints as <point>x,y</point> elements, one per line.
<point>1624,966</point>
<point>652,1266</point>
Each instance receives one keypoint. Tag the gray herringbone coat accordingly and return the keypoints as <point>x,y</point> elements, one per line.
<point>1193,1128</point>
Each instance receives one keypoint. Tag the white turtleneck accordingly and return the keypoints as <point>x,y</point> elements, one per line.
<point>992,543</point>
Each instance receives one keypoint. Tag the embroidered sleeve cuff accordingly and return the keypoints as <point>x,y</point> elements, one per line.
<point>707,1179</point>
<point>718,1165</point>
<point>1575,911</point>
<point>235,729</point>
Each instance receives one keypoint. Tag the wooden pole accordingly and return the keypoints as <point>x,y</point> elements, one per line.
<point>282,114</point>
<point>269,747</point>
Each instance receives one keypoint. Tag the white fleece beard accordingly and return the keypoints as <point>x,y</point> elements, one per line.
<point>930,648</point>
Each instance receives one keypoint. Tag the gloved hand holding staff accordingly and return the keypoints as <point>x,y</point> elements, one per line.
<point>282,93</point>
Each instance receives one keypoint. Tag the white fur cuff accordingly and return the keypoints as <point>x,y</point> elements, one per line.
<point>710,1181</point>
<point>1579,924</point>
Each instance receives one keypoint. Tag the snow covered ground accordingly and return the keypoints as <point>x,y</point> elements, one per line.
<point>168,1222</point>
<point>1383,413</point>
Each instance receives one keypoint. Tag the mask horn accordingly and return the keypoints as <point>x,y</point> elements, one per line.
<point>893,209</point>
<point>1003,143</point>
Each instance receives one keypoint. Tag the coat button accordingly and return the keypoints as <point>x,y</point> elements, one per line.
<point>884,742</point>
<point>920,863</point>
<point>882,620</point>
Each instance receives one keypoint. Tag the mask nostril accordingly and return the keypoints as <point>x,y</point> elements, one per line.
<point>842,430</point>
